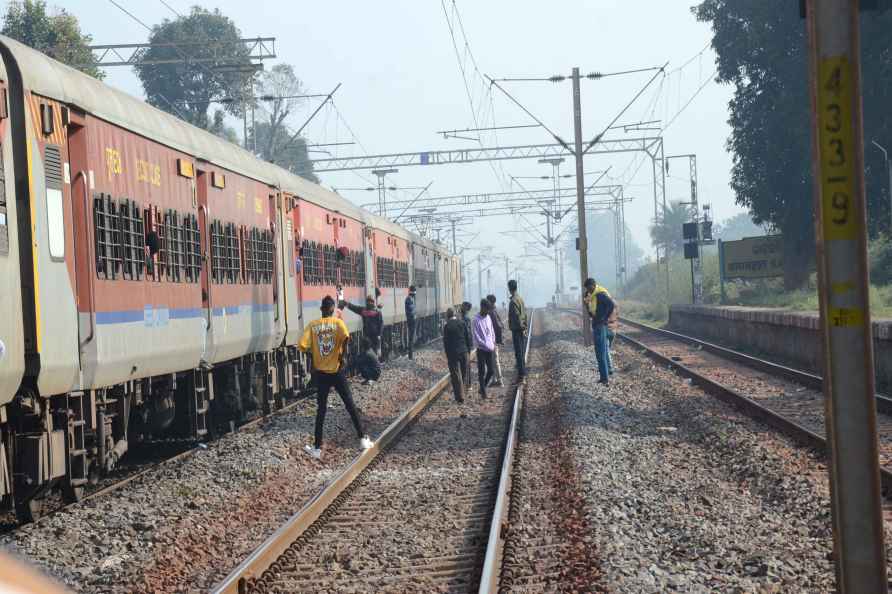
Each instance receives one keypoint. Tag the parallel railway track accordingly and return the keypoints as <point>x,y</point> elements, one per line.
<point>787,399</point>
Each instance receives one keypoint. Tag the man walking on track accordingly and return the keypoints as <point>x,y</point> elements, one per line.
<point>600,307</point>
<point>372,322</point>
<point>326,339</point>
<point>517,322</point>
<point>455,343</point>
<point>497,326</point>
<point>485,340</point>
<point>410,320</point>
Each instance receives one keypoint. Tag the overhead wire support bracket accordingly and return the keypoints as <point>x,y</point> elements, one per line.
<point>131,54</point>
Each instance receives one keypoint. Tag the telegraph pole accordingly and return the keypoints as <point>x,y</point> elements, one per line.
<point>841,233</point>
<point>453,237</point>
<point>580,195</point>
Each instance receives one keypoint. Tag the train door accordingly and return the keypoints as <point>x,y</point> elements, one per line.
<point>83,233</point>
<point>278,280</point>
<point>204,225</point>
<point>290,257</point>
<point>370,262</point>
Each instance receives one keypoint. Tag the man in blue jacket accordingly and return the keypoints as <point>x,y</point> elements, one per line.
<point>410,320</point>
<point>600,306</point>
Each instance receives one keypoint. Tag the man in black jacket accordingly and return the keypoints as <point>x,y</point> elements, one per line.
<point>372,322</point>
<point>600,306</point>
<point>517,322</point>
<point>455,342</point>
<point>410,320</point>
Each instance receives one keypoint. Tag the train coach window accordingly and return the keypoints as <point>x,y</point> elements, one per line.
<point>218,253</point>
<point>232,254</point>
<point>106,234</point>
<point>268,256</point>
<point>132,239</point>
<point>175,254</point>
<point>330,266</point>
<point>192,240</point>
<point>52,162</point>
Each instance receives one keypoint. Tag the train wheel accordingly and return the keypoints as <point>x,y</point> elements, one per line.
<point>31,510</point>
<point>72,494</point>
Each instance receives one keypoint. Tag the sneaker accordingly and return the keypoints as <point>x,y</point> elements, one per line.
<point>366,443</point>
<point>604,382</point>
<point>483,394</point>
<point>366,382</point>
<point>497,384</point>
<point>313,452</point>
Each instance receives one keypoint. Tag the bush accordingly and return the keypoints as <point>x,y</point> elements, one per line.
<point>880,258</point>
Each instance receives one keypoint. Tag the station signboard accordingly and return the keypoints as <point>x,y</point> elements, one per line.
<point>753,257</point>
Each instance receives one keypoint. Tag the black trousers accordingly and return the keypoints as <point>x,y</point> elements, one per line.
<point>485,369</point>
<point>324,383</point>
<point>519,344</point>
<point>458,371</point>
<point>411,325</point>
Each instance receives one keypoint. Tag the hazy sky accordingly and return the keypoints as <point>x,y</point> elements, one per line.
<point>402,82</point>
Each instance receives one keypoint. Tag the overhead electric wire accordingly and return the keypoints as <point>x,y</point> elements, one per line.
<point>171,8</point>
<point>597,138</point>
<point>529,113</point>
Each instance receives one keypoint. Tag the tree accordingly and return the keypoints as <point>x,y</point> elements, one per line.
<point>185,88</point>
<point>761,48</point>
<point>58,35</point>
<point>737,227</point>
<point>601,250</point>
<point>667,232</point>
<point>285,152</point>
<point>278,89</point>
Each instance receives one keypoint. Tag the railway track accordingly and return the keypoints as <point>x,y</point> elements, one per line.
<point>787,399</point>
<point>145,458</point>
<point>424,510</point>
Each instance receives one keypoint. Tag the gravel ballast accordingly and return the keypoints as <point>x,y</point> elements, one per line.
<point>682,492</point>
<point>184,525</point>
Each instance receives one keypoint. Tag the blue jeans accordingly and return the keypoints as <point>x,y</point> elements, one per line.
<point>610,336</point>
<point>599,333</point>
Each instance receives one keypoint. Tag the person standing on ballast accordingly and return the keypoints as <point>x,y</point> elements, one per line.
<point>327,339</point>
<point>410,320</point>
<point>455,343</point>
<point>600,307</point>
<point>485,341</point>
<point>517,322</point>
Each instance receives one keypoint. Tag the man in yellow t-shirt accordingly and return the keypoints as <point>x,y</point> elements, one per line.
<point>326,339</point>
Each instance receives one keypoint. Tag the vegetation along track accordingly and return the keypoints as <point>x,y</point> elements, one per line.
<point>421,511</point>
<point>787,399</point>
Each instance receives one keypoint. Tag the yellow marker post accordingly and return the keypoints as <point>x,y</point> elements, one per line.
<point>841,230</point>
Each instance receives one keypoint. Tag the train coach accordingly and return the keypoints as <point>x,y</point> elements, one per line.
<point>156,278</point>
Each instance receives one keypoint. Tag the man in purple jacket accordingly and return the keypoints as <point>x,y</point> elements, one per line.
<point>485,341</point>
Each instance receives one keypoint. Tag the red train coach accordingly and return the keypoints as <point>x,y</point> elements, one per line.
<point>157,276</point>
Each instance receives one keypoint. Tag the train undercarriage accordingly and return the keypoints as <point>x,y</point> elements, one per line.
<point>67,442</point>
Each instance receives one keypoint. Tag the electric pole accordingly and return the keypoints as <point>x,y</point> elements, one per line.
<point>841,232</point>
<point>580,194</point>
<point>382,201</point>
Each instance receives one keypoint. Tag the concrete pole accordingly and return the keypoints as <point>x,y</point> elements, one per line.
<point>580,196</point>
<point>841,233</point>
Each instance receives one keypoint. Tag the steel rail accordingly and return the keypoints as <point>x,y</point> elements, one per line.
<point>810,380</point>
<point>747,405</point>
<point>492,562</point>
<point>240,579</point>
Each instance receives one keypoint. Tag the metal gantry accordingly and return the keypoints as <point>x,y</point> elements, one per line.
<point>217,52</point>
